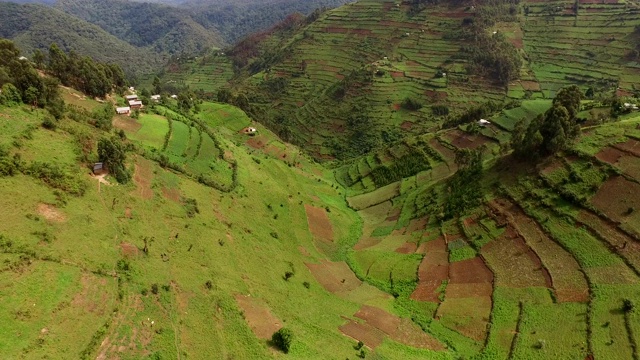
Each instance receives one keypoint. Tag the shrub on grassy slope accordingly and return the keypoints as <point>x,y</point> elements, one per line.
<point>282,339</point>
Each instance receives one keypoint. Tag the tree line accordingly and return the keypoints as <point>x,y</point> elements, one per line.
<point>81,72</point>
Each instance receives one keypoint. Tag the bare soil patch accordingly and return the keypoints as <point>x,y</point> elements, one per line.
<point>396,74</point>
<point>128,250</point>
<point>433,269</point>
<point>461,139</point>
<point>369,335</point>
<point>126,123</point>
<point>436,95</point>
<point>632,146</point>
<point>529,85</point>
<point>378,318</point>
<point>143,175</point>
<point>172,194</point>
<point>256,142</point>
<point>398,329</point>
<point>92,297</point>
<point>616,196</point>
<point>257,314</point>
<point>610,155</point>
<point>471,271</point>
<point>407,248</point>
<point>51,213</point>
<point>127,213</point>
<point>334,276</point>
<point>319,224</point>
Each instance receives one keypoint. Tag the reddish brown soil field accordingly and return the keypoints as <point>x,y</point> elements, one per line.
<point>564,272</point>
<point>142,177</point>
<point>256,142</point>
<point>460,139</point>
<point>616,196</point>
<point>552,166</point>
<point>334,276</point>
<point>378,318</point>
<point>407,248</point>
<point>319,224</point>
<point>610,155</point>
<point>471,271</point>
<point>433,269</point>
<point>436,95</point>
<point>400,330</point>
<point>632,146</point>
<point>258,316</point>
<point>369,335</point>
<point>396,74</point>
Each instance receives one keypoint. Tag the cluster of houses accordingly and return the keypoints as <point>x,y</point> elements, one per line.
<point>135,103</point>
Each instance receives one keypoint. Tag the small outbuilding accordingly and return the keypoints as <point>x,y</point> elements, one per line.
<point>131,97</point>
<point>249,130</point>
<point>125,110</point>
<point>155,98</point>
<point>174,96</point>
<point>135,104</point>
<point>483,122</point>
<point>99,168</point>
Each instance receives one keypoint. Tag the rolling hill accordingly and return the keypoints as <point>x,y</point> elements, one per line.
<point>396,68</point>
<point>37,27</point>
<point>429,235</point>
<point>161,28</point>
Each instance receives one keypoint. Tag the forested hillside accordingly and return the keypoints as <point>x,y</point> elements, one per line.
<point>34,27</point>
<point>161,28</point>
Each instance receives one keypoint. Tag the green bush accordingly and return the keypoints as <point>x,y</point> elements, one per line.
<point>282,339</point>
